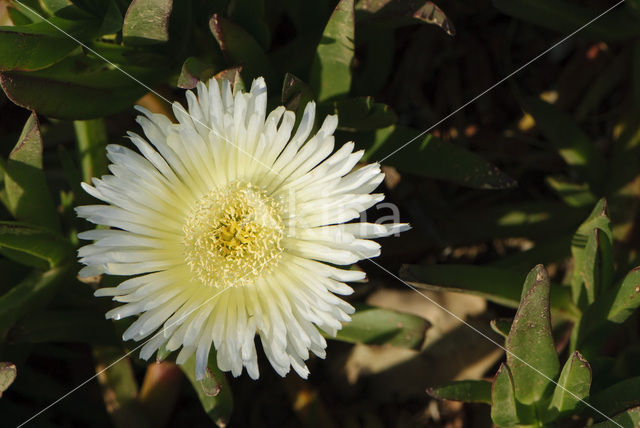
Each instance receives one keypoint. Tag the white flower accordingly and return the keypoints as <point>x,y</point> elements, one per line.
<point>226,222</point>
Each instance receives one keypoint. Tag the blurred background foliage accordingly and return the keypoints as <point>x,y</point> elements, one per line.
<point>543,169</point>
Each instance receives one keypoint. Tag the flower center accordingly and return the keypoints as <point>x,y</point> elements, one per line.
<point>232,235</point>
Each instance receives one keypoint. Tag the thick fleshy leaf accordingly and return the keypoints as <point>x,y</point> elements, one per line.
<point>495,284</point>
<point>242,50</point>
<point>8,374</point>
<point>592,252</point>
<point>25,183</point>
<point>376,326</point>
<point>32,293</point>
<point>34,46</point>
<point>295,95</point>
<point>91,140</point>
<point>629,418</point>
<point>20,16</point>
<point>77,325</point>
<point>213,391</point>
<point>331,69</point>
<point>395,13</point>
<point>250,15</point>
<point>376,63</point>
<point>618,397</point>
<point>76,88</point>
<point>52,6</point>
<point>470,391</point>
<point>107,14</point>
<point>627,298</point>
<point>194,71</point>
<point>601,88</point>
<point>362,113</point>
<point>566,16</point>
<point>34,241</point>
<point>573,194</point>
<point>234,77</point>
<point>431,157</point>
<point>571,142</point>
<point>119,386</point>
<point>614,306</point>
<point>502,326</point>
<point>147,22</point>
<point>531,354</point>
<point>573,386</point>
<point>503,400</point>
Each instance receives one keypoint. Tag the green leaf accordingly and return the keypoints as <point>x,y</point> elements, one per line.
<point>592,252</point>
<point>38,45</point>
<point>213,391</point>
<point>35,46</point>
<point>530,340</point>
<point>573,194</point>
<point>395,13</point>
<point>502,326</point>
<point>615,306</point>
<point>241,49</point>
<point>234,77</point>
<point>35,241</point>
<point>92,139</point>
<point>494,284</point>
<point>17,17</point>
<point>250,15</point>
<point>565,17</point>
<point>539,220</point>
<point>147,22</point>
<point>431,157</point>
<point>65,325</point>
<point>549,250</point>
<point>330,74</point>
<point>77,88</point>
<point>376,63</point>
<point>618,397</point>
<point>8,374</point>
<point>630,418</point>
<point>573,385</point>
<point>627,298</point>
<point>25,183</point>
<point>362,114</point>
<point>194,71</point>
<point>571,142</point>
<point>503,401</point>
<point>111,16</point>
<point>120,385</point>
<point>607,80</point>
<point>32,293</point>
<point>295,95</point>
<point>470,391</point>
<point>376,326</point>
<point>52,6</point>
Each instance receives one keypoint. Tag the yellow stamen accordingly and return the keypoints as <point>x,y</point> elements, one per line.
<point>232,235</point>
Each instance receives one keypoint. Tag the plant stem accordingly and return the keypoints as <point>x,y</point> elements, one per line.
<point>91,138</point>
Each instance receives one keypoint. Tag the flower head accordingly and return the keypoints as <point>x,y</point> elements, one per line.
<point>225,222</point>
